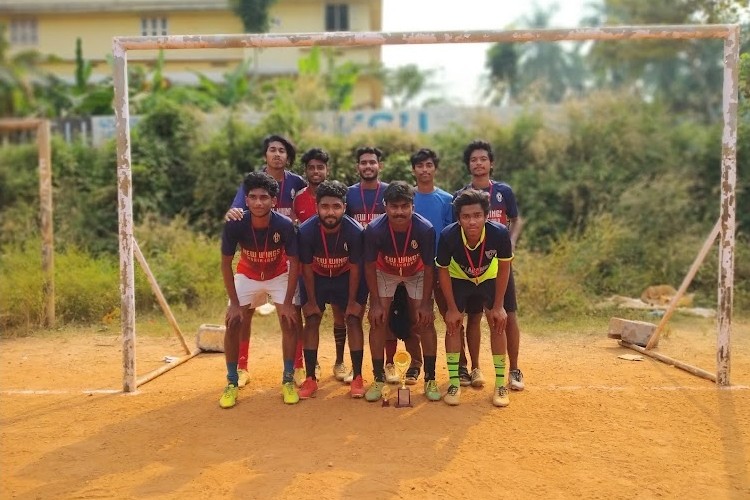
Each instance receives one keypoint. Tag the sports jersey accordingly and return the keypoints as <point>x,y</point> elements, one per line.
<point>436,207</point>
<point>403,253</point>
<point>304,205</point>
<point>475,264</point>
<point>288,188</point>
<point>502,201</point>
<point>264,252</point>
<point>340,250</point>
<point>363,205</point>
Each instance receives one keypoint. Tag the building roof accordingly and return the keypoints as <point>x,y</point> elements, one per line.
<point>70,6</point>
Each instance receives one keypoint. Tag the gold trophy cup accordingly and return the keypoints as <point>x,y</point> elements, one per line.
<point>402,361</point>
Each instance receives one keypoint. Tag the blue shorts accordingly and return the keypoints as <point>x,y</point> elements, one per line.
<point>335,291</point>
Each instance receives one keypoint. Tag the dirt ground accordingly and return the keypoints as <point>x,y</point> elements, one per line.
<point>589,425</point>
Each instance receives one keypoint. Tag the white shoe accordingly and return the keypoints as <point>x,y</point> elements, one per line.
<point>501,397</point>
<point>516,380</point>
<point>349,377</point>
<point>390,374</point>
<point>339,371</point>
<point>243,378</point>
<point>453,396</point>
<point>477,379</point>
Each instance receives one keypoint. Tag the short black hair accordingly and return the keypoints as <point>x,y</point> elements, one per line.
<point>363,150</point>
<point>425,154</point>
<point>261,180</point>
<point>471,197</point>
<point>291,151</point>
<point>335,189</point>
<point>398,190</point>
<point>473,146</point>
<point>315,154</point>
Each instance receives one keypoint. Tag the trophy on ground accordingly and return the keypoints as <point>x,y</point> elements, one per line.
<point>402,361</point>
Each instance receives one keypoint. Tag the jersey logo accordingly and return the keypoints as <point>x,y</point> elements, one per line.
<point>490,253</point>
<point>276,237</point>
<point>499,197</point>
<point>346,247</point>
<point>414,244</point>
<point>292,193</point>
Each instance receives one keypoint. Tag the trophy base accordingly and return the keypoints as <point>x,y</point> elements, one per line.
<point>404,398</point>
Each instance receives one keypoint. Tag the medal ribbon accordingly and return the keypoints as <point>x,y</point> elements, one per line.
<point>257,248</point>
<point>325,246</point>
<point>395,248</point>
<point>475,270</point>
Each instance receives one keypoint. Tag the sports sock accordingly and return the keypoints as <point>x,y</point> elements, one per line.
<point>311,359</point>
<point>244,354</point>
<point>499,361</point>
<point>232,376</point>
<point>357,362</point>
<point>390,350</point>
<point>429,367</point>
<point>453,368</point>
<point>339,337</point>
<point>298,353</point>
<point>377,370</point>
<point>288,371</point>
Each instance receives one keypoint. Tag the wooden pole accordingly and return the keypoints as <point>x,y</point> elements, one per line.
<point>671,361</point>
<point>125,216</point>
<point>159,295</point>
<point>163,369</point>
<point>685,284</point>
<point>45,208</point>
<point>728,204</point>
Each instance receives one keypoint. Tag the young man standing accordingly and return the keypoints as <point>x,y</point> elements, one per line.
<point>400,248</point>
<point>364,203</point>
<point>436,206</point>
<point>268,265</point>
<point>315,161</point>
<point>473,260</point>
<point>479,160</point>
<point>279,154</point>
<point>331,255</point>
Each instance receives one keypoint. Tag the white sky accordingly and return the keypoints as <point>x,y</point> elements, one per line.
<point>460,66</point>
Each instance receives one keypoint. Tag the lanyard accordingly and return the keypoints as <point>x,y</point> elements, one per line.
<point>369,213</point>
<point>265,247</point>
<point>395,248</point>
<point>325,246</point>
<point>475,270</point>
<point>281,191</point>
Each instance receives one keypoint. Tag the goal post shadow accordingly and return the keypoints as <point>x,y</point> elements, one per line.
<point>728,182</point>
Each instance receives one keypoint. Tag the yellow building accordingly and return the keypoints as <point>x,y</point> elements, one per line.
<point>52,27</point>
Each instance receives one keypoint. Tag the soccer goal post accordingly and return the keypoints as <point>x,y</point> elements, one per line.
<point>727,32</point>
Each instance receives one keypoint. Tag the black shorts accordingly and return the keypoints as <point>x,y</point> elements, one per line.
<point>334,291</point>
<point>485,295</point>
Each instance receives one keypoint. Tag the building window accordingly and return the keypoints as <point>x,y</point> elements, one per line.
<point>23,32</point>
<point>337,17</point>
<point>154,26</point>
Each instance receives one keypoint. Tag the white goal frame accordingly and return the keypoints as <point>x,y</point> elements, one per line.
<point>730,33</point>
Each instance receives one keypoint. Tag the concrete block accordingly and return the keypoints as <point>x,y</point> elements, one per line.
<point>635,332</point>
<point>210,338</point>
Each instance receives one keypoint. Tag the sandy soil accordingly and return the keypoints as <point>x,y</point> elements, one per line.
<point>589,425</point>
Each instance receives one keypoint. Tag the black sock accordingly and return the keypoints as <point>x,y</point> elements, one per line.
<point>357,362</point>
<point>311,359</point>
<point>377,370</point>
<point>429,367</point>
<point>339,337</point>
